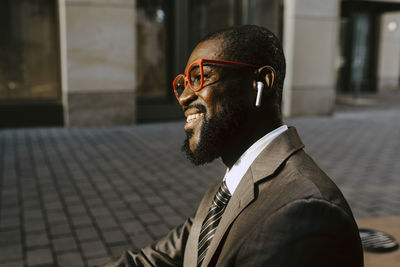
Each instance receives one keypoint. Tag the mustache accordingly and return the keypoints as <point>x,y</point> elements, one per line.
<point>196,106</point>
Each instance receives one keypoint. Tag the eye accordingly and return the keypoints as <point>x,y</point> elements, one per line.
<point>196,78</point>
<point>209,73</point>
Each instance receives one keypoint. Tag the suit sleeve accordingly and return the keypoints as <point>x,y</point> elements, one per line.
<point>168,251</point>
<point>308,233</point>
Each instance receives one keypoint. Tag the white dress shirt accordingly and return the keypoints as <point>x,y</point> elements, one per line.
<point>235,174</point>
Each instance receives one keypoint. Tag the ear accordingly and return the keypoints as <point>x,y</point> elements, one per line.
<point>266,74</point>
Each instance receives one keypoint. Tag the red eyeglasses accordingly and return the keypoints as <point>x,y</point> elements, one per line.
<point>195,75</point>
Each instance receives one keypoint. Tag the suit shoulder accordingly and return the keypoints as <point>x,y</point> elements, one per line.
<point>303,179</point>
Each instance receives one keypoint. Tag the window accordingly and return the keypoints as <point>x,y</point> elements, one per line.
<point>29,54</point>
<point>152,54</point>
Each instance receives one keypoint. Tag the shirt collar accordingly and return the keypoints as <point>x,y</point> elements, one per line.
<point>235,174</point>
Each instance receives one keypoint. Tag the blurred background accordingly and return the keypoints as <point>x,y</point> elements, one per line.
<point>76,194</point>
<point>98,62</point>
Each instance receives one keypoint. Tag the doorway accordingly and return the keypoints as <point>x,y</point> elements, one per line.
<point>360,38</point>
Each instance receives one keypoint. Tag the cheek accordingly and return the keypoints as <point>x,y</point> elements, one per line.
<point>213,98</point>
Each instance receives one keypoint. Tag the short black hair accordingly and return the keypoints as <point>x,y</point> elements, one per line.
<point>255,45</point>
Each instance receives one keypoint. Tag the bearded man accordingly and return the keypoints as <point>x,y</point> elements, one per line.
<point>274,207</point>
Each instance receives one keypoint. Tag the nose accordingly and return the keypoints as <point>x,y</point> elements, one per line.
<point>187,96</point>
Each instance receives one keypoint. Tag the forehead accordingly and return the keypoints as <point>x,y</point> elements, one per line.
<point>210,49</point>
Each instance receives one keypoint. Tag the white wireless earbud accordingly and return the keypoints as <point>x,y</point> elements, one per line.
<point>260,87</point>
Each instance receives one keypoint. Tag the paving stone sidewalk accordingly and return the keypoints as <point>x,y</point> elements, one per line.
<point>76,197</point>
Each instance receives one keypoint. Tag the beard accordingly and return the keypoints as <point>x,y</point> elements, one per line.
<point>216,133</point>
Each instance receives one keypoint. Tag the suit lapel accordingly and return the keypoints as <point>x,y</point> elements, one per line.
<point>190,257</point>
<point>265,165</point>
<point>272,157</point>
<point>243,195</point>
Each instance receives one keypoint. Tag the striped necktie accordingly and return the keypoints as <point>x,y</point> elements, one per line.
<point>211,222</point>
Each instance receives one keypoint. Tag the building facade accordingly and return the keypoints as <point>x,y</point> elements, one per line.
<point>102,62</point>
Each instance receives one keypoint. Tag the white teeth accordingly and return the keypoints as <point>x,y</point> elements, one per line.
<point>193,117</point>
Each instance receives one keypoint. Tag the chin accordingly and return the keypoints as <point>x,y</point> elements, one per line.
<point>199,155</point>
<point>215,134</point>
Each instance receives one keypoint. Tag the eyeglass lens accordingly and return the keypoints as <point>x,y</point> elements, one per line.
<point>195,76</point>
<point>195,79</point>
<point>179,85</point>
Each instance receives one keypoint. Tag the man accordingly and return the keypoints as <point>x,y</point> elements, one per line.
<point>274,207</point>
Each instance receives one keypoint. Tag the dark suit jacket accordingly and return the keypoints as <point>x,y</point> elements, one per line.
<point>284,212</point>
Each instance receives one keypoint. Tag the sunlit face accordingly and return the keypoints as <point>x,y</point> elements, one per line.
<point>215,112</point>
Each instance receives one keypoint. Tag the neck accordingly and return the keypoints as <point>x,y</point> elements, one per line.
<point>243,140</point>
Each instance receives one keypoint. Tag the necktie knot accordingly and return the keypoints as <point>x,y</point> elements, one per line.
<point>222,196</point>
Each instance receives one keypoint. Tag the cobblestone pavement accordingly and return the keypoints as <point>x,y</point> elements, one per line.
<point>76,197</point>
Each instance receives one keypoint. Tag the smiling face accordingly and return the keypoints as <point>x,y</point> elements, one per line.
<point>214,114</point>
